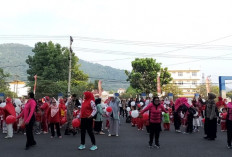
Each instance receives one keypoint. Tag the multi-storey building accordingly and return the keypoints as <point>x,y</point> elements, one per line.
<point>187,80</point>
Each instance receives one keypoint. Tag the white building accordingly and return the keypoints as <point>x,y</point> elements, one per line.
<point>19,88</point>
<point>121,91</point>
<point>187,80</point>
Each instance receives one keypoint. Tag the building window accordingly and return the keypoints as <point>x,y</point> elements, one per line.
<point>180,73</point>
<point>194,74</point>
<point>194,83</point>
<point>180,83</point>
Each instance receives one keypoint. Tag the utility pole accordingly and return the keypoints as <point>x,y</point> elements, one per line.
<point>70,65</point>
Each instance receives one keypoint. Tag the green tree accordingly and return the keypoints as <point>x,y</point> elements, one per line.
<point>143,76</point>
<point>201,89</point>
<point>4,87</point>
<point>229,94</point>
<point>171,88</point>
<point>50,63</point>
<point>130,93</point>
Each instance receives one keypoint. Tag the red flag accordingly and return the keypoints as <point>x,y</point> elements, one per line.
<point>35,77</point>
<point>207,83</point>
<point>158,85</point>
<point>100,87</point>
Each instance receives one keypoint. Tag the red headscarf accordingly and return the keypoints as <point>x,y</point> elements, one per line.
<point>88,97</point>
<point>9,107</point>
<point>62,105</point>
<point>86,109</point>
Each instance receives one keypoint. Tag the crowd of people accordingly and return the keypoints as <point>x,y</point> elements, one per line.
<point>94,115</point>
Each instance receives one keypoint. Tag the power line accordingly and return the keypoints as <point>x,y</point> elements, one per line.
<point>90,50</point>
<point>118,41</point>
<point>199,59</point>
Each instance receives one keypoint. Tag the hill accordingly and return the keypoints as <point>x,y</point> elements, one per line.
<point>13,58</point>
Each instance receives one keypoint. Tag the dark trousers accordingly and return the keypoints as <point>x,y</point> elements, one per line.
<point>189,128</point>
<point>121,111</point>
<point>124,113</point>
<point>148,128</point>
<point>29,132</point>
<point>98,126</point>
<point>87,125</point>
<point>211,128</point>
<point>57,129</point>
<point>177,121</point>
<point>229,131</point>
<point>155,129</point>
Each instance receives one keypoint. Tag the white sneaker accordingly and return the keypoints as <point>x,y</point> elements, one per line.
<point>109,135</point>
<point>8,137</point>
<point>117,135</point>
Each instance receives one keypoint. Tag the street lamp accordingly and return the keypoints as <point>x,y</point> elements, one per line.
<point>70,66</point>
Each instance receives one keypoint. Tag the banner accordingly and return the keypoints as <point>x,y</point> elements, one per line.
<point>100,88</point>
<point>158,85</point>
<point>207,83</point>
<point>35,77</point>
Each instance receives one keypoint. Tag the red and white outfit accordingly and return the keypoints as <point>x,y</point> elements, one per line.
<point>223,116</point>
<point>45,108</point>
<point>9,109</point>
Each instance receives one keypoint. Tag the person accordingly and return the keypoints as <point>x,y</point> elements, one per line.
<point>156,110</point>
<point>166,120</point>
<point>29,119</point>
<point>124,106</point>
<point>38,119</point>
<point>210,118</point>
<point>114,115</point>
<point>140,120</point>
<point>9,109</point>
<point>98,118</point>
<point>88,110</point>
<point>229,124</point>
<point>54,115</point>
<point>220,105</point>
<point>45,108</point>
<point>190,115</point>
<point>70,105</point>
<point>223,116</point>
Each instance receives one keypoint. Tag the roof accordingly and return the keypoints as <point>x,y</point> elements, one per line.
<point>17,82</point>
<point>183,70</point>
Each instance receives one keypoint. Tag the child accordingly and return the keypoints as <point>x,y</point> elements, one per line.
<point>140,120</point>
<point>133,120</point>
<point>196,120</point>
<point>38,120</point>
<point>54,118</point>
<point>166,120</point>
<point>223,116</point>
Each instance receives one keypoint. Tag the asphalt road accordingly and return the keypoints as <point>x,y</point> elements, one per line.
<point>130,143</point>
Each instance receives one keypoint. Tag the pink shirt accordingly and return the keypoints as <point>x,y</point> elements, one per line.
<point>28,110</point>
<point>155,112</point>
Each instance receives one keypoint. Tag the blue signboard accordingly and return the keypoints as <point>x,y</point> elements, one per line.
<point>116,94</point>
<point>143,94</point>
<point>2,95</point>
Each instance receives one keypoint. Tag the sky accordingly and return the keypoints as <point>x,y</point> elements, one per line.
<point>180,34</point>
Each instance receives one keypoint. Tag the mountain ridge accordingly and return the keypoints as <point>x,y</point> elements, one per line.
<point>14,55</point>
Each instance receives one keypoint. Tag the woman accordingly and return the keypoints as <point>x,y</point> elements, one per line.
<point>29,119</point>
<point>88,110</point>
<point>54,115</point>
<point>114,116</point>
<point>9,109</point>
<point>229,125</point>
<point>98,119</point>
<point>210,118</point>
<point>156,110</point>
